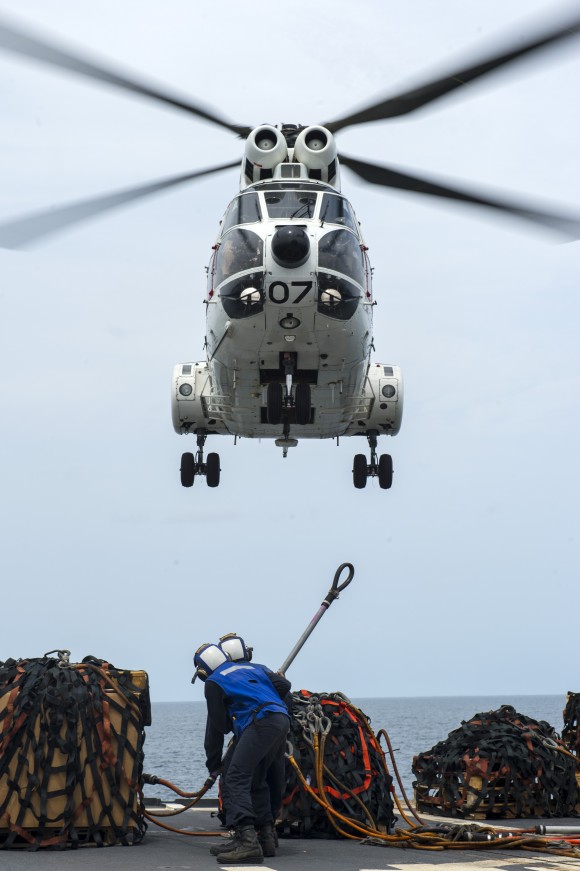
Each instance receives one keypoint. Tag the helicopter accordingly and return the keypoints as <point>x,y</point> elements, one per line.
<point>289,299</point>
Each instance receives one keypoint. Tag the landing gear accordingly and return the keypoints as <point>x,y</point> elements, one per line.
<point>302,403</point>
<point>192,466</point>
<point>275,403</point>
<point>381,468</point>
<point>279,398</point>
<point>284,396</point>
<point>187,470</point>
<point>288,403</point>
<point>385,471</point>
<point>360,471</point>
<point>212,470</point>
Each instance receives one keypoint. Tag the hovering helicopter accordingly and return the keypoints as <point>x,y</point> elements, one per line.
<point>289,299</point>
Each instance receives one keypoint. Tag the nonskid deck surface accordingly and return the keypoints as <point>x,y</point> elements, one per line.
<point>162,850</point>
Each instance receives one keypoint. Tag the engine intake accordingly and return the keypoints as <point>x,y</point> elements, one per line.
<point>316,149</point>
<point>265,149</point>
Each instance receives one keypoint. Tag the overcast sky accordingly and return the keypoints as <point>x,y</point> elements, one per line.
<point>467,570</point>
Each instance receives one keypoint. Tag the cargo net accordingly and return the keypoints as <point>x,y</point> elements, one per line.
<point>499,764</point>
<point>571,730</point>
<point>71,753</point>
<point>339,759</point>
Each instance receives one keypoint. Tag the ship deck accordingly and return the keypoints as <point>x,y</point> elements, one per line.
<point>162,850</point>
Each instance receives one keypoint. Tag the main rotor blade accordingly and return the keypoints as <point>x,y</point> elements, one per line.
<point>19,42</point>
<point>391,178</point>
<point>409,101</point>
<point>18,233</point>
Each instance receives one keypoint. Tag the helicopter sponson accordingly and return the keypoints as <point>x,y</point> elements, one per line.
<point>194,407</point>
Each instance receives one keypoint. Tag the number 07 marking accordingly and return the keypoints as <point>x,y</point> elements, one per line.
<point>279,292</point>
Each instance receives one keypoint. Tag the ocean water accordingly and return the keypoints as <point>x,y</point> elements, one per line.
<point>174,741</point>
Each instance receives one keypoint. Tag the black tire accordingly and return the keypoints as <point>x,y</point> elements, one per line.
<point>302,404</point>
<point>212,470</point>
<point>359,471</point>
<point>385,471</point>
<point>187,470</point>
<point>274,402</point>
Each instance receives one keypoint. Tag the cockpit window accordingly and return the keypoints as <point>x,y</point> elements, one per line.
<point>245,209</point>
<point>290,204</point>
<point>337,210</point>
<point>340,250</point>
<point>238,251</point>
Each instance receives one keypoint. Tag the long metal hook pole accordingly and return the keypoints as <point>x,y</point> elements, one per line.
<point>332,594</point>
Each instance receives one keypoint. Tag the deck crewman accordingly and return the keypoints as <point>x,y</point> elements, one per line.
<point>245,698</point>
<point>237,649</point>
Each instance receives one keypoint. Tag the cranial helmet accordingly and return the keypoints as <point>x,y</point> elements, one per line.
<point>206,659</point>
<point>235,647</point>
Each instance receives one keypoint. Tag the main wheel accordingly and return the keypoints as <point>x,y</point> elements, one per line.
<point>359,471</point>
<point>212,470</point>
<point>385,471</point>
<point>302,403</point>
<point>187,470</point>
<point>274,402</point>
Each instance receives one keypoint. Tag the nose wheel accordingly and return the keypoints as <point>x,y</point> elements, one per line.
<point>281,397</point>
<point>275,402</point>
<point>381,467</point>
<point>302,401</point>
<point>192,466</point>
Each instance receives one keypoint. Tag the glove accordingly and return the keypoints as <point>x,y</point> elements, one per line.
<point>213,776</point>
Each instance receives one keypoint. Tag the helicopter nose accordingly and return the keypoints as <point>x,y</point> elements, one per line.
<point>290,247</point>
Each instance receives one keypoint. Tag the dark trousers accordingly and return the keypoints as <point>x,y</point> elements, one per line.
<point>276,780</point>
<point>246,792</point>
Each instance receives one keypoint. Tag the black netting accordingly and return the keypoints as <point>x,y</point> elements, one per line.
<point>71,753</point>
<point>497,764</point>
<point>356,782</point>
<point>571,730</point>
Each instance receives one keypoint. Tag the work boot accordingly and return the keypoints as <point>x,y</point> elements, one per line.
<point>267,838</point>
<point>226,844</point>
<point>247,849</point>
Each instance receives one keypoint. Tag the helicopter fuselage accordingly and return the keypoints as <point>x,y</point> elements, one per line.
<point>267,321</point>
<point>289,313</point>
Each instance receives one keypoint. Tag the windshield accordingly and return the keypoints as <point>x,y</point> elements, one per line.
<point>340,250</point>
<point>290,204</point>
<point>245,209</point>
<point>337,210</point>
<point>238,251</point>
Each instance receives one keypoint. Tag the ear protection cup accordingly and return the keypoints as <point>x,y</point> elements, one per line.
<point>235,647</point>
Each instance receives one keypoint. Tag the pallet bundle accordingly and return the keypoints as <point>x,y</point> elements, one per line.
<point>340,759</point>
<point>71,753</point>
<point>571,730</point>
<point>571,733</point>
<point>498,764</point>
